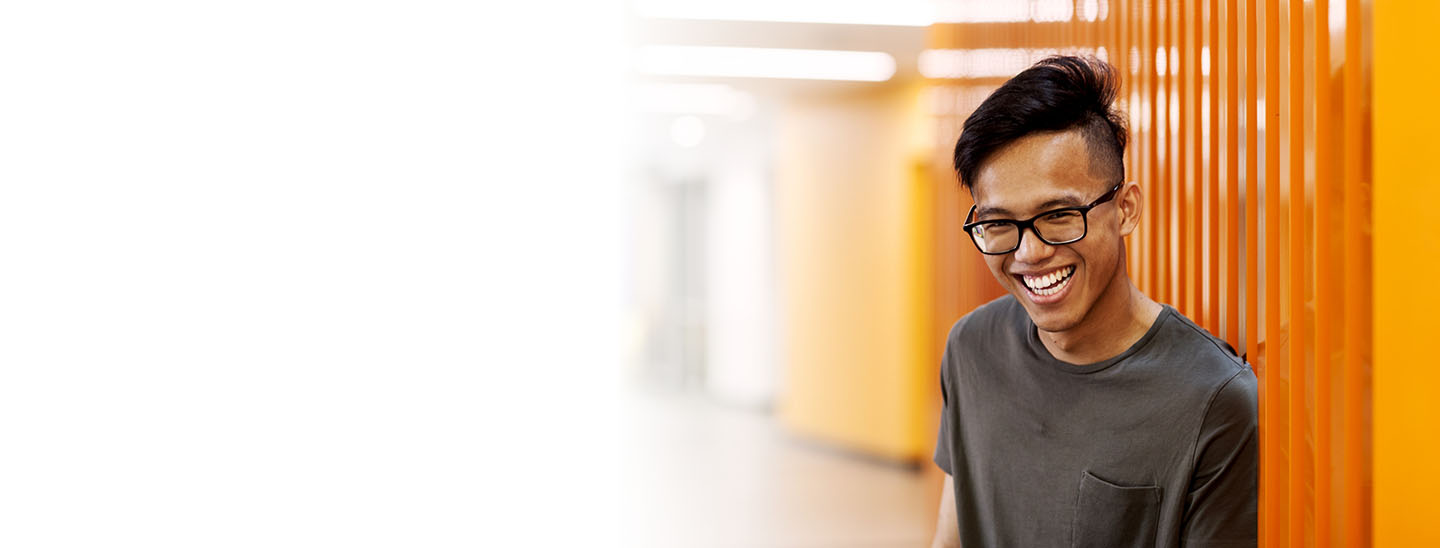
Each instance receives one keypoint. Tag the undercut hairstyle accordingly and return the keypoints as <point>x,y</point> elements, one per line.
<point>1056,94</point>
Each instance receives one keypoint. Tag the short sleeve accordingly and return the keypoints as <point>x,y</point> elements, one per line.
<point>1220,507</point>
<point>942,439</point>
<point>946,436</point>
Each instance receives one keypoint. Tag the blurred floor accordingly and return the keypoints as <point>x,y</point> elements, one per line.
<point>700,474</point>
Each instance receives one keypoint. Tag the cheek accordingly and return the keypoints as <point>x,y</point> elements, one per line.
<point>997,267</point>
<point>1100,259</point>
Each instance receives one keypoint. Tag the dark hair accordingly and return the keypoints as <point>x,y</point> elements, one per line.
<point>1055,94</point>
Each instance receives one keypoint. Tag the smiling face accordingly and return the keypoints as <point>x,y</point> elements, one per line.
<point>1059,285</point>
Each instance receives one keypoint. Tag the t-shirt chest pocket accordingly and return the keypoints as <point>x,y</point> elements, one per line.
<point>1114,516</point>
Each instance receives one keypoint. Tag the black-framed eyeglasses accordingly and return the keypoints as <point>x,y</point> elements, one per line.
<point>1066,225</point>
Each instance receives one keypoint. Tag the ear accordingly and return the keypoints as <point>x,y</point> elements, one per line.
<point>1130,201</point>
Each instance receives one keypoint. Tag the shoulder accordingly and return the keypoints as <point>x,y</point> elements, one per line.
<point>1227,435</point>
<point>1236,402</point>
<point>988,330</point>
<point>1201,349</point>
<point>986,319</point>
<point>1211,364</point>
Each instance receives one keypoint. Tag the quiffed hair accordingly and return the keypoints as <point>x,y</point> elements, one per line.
<point>1057,93</point>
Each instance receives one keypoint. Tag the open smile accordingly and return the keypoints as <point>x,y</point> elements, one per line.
<point>1048,287</point>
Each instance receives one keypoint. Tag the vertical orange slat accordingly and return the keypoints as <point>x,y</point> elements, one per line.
<point>1137,93</point>
<point>1252,185</point>
<point>1132,108</point>
<point>1144,158</point>
<point>1197,183</point>
<point>1147,75</point>
<point>1184,153</point>
<point>1130,89</point>
<point>1136,67</point>
<point>1161,143</point>
<point>1252,197</point>
<point>1160,126</point>
<point>1171,158</point>
<point>1112,35</point>
<point>1302,477</point>
<point>1116,53</point>
<point>1183,161</point>
<point>1212,225</point>
<point>1327,319</point>
<point>1127,28</point>
<point>1175,156</point>
<point>1274,471</point>
<point>1357,259</point>
<point>1121,59</point>
<point>1232,175</point>
<point>1159,102</point>
<point>1328,337</point>
<point>1177,160</point>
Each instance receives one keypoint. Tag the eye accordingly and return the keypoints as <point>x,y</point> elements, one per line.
<point>1062,215</point>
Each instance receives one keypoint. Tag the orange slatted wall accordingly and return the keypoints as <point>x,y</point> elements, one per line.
<point>1250,131</point>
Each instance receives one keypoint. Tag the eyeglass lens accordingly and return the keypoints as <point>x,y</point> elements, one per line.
<point>1056,228</point>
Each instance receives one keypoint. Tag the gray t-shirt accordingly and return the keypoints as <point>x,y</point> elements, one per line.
<point>1154,447</point>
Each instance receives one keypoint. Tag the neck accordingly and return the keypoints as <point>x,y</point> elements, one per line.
<point>1120,317</point>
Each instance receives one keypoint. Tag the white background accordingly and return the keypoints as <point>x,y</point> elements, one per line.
<point>309,273</point>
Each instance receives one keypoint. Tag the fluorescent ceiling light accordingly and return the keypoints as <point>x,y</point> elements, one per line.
<point>805,64</point>
<point>907,13</point>
<point>1014,11</point>
<point>978,63</point>
<point>981,11</point>
<point>989,62</point>
<point>1052,10</point>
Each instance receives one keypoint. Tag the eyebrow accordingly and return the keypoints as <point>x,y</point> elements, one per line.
<point>1068,200</point>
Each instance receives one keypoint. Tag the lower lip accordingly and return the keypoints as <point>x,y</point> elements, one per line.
<point>1053,297</point>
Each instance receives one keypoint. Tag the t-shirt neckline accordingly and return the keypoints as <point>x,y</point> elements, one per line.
<point>1043,354</point>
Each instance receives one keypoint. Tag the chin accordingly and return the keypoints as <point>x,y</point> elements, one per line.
<point>1052,321</point>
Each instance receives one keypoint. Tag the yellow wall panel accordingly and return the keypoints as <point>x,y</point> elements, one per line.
<point>854,211</point>
<point>1406,189</point>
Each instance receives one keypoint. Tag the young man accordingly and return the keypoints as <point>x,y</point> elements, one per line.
<point>1078,411</point>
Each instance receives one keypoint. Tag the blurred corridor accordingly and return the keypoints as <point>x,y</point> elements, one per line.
<point>777,392</point>
<point>798,257</point>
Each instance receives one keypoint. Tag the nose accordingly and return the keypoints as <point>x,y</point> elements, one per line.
<point>1032,249</point>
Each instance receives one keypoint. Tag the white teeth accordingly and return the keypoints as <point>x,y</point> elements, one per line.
<point>1035,283</point>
